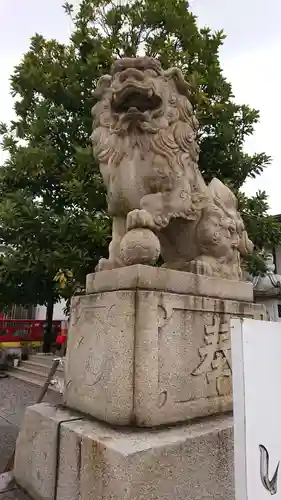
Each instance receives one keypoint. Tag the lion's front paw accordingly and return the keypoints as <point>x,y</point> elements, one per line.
<point>139,219</point>
<point>199,267</point>
<point>106,265</point>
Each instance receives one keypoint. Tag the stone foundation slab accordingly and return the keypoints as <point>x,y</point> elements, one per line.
<point>36,449</point>
<point>97,462</point>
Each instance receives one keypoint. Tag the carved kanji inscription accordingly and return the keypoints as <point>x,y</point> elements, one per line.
<point>215,356</point>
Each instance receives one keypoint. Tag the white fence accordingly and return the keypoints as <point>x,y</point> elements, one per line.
<point>256,366</point>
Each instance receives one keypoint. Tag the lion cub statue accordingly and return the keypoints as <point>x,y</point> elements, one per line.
<point>144,137</point>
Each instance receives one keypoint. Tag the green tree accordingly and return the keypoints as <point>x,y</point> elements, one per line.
<point>42,247</point>
<point>52,209</point>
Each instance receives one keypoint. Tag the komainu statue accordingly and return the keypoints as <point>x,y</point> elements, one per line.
<point>145,141</point>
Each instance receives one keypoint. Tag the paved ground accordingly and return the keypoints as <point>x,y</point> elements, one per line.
<point>9,490</point>
<point>15,396</point>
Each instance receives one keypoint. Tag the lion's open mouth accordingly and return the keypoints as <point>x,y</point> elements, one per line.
<point>135,99</point>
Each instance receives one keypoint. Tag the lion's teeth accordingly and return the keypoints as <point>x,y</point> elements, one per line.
<point>150,93</point>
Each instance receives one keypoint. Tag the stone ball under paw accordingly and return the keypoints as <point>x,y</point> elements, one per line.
<point>140,246</point>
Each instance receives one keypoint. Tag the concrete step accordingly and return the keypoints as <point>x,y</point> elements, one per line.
<point>34,373</point>
<point>27,377</point>
<point>38,366</point>
<point>44,359</point>
<point>35,370</point>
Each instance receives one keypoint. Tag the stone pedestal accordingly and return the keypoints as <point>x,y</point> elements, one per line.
<point>93,461</point>
<point>147,348</point>
<point>139,355</point>
<point>37,449</point>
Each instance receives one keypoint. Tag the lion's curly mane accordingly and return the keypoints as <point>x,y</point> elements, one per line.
<point>172,136</point>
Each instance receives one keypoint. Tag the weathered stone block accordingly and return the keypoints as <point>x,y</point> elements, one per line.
<point>160,279</point>
<point>185,462</point>
<point>98,462</point>
<point>99,368</point>
<point>37,449</point>
<point>148,358</point>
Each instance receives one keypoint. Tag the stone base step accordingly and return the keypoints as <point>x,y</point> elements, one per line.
<point>187,461</point>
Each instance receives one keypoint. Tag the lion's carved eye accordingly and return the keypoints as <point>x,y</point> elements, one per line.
<point>173,99</point>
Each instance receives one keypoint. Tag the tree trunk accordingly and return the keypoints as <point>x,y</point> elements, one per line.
<point>47,342</point>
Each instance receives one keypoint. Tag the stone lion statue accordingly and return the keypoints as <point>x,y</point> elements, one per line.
<point>144,137</point>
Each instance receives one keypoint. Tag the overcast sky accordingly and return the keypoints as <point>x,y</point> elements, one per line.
<point>250,58</point>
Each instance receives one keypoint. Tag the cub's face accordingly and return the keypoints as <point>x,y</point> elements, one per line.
<point>218,233</point>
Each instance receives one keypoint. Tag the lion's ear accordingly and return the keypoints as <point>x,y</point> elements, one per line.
<point>245,246</point>
<point>176,75</point>
<point>223,193</point>
<point>103,84</point>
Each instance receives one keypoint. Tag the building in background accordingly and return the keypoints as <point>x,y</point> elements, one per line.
<point>33,312</point>
<point>59,315</point>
